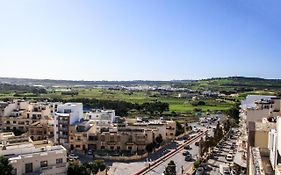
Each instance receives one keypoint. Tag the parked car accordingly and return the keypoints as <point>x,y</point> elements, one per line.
<point>216,150</point>
<point>224,169</point>
<point>186,153</point>
<point>199,171</point>
<point>90,152</point>
<point>214,156</point>
<point>229,157</point>
<point>73,156</point>
<point>187,147</point>
<point>188,157</point>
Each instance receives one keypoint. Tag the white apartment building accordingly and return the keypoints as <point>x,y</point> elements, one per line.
<point>32,158</point>
<point>67,114</point>
<point>275,147</point>
<point>101,116</point>
<point>264,109</point>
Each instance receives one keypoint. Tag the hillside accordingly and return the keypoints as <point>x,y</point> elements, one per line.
<point>236,84</point>
<point>49,82</point>
<point>8,88</point>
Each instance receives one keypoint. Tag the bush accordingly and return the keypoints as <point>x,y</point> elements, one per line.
<point>196,164</point>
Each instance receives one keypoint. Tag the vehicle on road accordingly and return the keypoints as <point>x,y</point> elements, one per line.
<point>188,157</point>
<point>90,152</point>
<point>186,153</point>
<point>214,157</point>
<point>229,157</point>
<point>224,169</point>
<point>199,171</point>
<point>216,150</point>
<point>187,147</point>
<point>206,167</point>
<point>73,156</point>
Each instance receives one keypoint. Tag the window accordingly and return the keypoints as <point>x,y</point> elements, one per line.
<point>111,138</point>
<point>44,163</point>
<point>59,161</point>
<point>28,168</point>
<point>118,138</point>
<point>102,138</point>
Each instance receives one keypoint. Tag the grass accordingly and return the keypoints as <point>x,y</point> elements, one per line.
<point>175,104</point>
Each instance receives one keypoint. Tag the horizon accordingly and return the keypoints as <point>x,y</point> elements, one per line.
<point>140,40</point>
<point>208,78</point>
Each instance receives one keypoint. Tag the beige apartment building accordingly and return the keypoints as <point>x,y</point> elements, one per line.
<point>19,114</point>
<point>41,130</point>
<point>88,135</point>
<point>28,157</point>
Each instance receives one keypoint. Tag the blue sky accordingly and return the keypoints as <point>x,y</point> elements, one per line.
<point>140,39</point>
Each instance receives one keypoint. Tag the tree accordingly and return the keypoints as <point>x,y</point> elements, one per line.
<point>5,167</point>
<point>73,168</point>
<point>196,164</point>
<point>159,139</point>
<point>149,148</point>
<point>171,168</point>
<point>100,165</point>
<point>179,129</point>
<point>233,112</point>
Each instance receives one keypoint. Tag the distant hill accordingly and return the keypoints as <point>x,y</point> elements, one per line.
<point>49,82</point>
<point>9,88</point>
<point>236,83</point>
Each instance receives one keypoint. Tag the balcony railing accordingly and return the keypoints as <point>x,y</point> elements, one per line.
<point>63,122</point>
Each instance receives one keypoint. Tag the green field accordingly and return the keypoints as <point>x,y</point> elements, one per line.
<point>175,104</point>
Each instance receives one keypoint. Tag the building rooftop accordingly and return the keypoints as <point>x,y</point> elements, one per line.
<point>260,126</point>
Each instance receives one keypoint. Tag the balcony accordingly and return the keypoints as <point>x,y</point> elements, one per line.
<point>53,168</point>
<point>63,136</point>
<point>63,122</point>
<point>63,129</point>
<point>130,143</point>
<point>111,143</point>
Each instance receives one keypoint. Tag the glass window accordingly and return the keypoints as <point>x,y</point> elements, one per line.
<point>28,168</point>
<point>59,161</point>
<point>44,163</point>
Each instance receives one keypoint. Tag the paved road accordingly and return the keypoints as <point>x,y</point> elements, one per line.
<point>178,158</point>
<point>215,163</point>
<point>129,168</point>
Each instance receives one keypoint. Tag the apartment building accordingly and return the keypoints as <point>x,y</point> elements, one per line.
<point>258,133</point>
<point>264,109</point>
<point>79,134</point>
<point>167,129</point>
<point>101,116</point>
<point>41,130</point>
<point>28,157</point>
<point>275,147</point>
<point>67,114</point>
<point>91,135</point>
<point>19,114</point>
